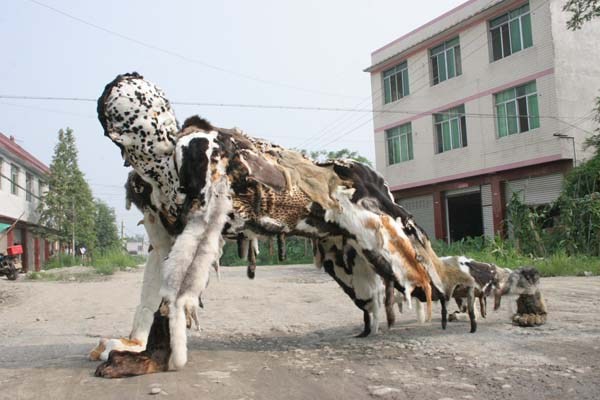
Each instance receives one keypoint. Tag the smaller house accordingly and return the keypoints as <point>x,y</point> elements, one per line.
<point>137,247</point>
<point>23,180</point>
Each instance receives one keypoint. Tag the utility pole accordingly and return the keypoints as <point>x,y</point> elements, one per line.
<point>122,230</point>
<point>73,237</point>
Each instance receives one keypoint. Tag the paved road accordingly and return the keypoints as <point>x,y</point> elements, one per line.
<point>289,335</point>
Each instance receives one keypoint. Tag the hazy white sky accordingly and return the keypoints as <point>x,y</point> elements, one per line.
<point>268,52</point>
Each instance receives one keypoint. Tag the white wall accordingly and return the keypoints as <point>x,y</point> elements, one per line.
<point>12,205</point>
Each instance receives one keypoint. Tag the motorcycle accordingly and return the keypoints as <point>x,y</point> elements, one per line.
<point>9,266</point>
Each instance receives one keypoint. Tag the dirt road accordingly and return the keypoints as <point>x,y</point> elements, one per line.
<point>289,335</point>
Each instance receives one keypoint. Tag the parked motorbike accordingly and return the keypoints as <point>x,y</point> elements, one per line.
<point>9,266</point>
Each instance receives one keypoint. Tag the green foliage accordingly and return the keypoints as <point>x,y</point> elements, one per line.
<point>108,262</point>
<point>526,224</point>
<point>68,205</point>
<point>504,254</point>
<point>107,234</point>
<point>62,260</point>
<point>594,139</point>
<point>581,11</point>
<point>295,248</point>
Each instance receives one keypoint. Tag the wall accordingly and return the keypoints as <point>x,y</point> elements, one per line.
<point>577,71</point>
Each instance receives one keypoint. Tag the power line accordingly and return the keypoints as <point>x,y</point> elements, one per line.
<point>16,184</point>
<point>184,57</point>
<point>282,107</point>
<point>379,94</point>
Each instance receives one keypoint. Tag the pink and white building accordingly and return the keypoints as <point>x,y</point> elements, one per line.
<point>489,99</point>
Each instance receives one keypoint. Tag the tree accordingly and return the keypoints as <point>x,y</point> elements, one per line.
<point>322,155</point>
<point>107,235</point>
<point>581,11</point>
<point>68,206</point>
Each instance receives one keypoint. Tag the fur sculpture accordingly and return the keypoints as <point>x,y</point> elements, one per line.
<point>201,183</point>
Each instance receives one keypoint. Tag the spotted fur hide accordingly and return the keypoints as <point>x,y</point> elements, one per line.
<point>207,180</point>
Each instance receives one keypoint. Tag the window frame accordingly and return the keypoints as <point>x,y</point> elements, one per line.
<point>399,74</point>
<point>14,178</point>
<point>28,186</point>
<point>529,98</point>
<point>504,24</point>
<point>454,119</point>
<point>395,137</point>
<point>445,49</point>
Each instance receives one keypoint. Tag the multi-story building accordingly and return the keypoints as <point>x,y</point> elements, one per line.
<point>23,178</point>
<point>489,99</point>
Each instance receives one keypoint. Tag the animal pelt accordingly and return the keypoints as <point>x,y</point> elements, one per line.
<point>531,307</point>
<point>355,276</point>
<point>272,190</point>
<point>531,310</point>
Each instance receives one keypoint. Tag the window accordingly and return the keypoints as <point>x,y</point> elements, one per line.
<point>517,110</point>
<point>451,129</point>
<point>511,32</point>
<point>28,186</point>
<point>445,61</point>
<point>399,142</point>
<point>14,177</point>
<point>395,83</point>
<point>40,188</point>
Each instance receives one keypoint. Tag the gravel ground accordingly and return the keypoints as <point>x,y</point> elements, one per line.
<point>289,335</point>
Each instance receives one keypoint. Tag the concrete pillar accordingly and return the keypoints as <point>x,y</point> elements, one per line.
<point>439,215</point>
<point>498,206</point>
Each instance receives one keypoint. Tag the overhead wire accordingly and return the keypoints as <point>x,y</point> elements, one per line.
<point>184,57</point>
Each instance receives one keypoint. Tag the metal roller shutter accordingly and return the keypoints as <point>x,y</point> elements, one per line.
<point>421,208</point>
<point>536,191</point>
<point>486,209</point>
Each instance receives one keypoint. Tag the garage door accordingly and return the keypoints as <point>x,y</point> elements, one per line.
<point>421,208</point>
<point>535,191</point>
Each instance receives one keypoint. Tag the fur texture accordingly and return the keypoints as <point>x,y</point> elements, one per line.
<point>274,192</point>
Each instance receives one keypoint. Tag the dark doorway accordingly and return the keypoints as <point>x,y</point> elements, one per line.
<point>465,217</point>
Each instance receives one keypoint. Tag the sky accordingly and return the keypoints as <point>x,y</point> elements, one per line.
<point>230,54</point>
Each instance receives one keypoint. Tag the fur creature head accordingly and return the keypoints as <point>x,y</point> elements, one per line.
<point>137,117</point>
<point>522,280</point>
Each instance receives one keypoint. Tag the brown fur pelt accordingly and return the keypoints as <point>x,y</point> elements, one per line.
<point>531,310</point>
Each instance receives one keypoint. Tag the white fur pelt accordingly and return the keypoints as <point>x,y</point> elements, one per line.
<point>205,253</point>
<point>161,243</point>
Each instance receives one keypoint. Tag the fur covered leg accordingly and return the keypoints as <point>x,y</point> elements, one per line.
<point>251,269</point>
<point>181,255</point>
<point>444,312</point>
<point>281,247</point>
<point>390,292</point>
<point>150,299</point>
<point>471,308</point>
<point>196,277</point>
<point>367,325</point>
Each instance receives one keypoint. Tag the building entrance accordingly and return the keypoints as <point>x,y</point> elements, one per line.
<point>465,217</point>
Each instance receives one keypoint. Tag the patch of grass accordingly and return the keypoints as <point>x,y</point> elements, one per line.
<point>62,260</point>
<point>40,276</point>
<point>504,254</point>
<point>111,261</point>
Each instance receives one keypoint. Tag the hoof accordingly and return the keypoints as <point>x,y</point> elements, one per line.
<point>363,334</point>
<point>122,364</point>
<point>251,272</point>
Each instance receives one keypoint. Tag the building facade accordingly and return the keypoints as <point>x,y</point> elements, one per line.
<point>23,179</point>
<point>489,99</point>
